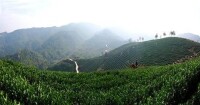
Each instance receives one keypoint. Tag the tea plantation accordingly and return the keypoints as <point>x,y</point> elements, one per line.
<point>154,85</point>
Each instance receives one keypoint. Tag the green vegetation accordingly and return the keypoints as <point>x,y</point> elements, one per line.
<point>65,65</point>
<point>29,58</point>
<point>53,44</point>
<point>155,85</point>
<point>195,100</point>
<point>154,52</point>
<point>101,41</point>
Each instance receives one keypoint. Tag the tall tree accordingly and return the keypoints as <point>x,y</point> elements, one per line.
<point>142,38</point>
<point>172,33</point>
<point>164,34</point>
<point>156,36</point>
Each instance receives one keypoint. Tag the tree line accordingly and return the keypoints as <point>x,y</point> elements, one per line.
<point>171,33</point>
<point>164,34</point>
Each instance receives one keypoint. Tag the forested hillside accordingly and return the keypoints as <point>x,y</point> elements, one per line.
<point>29,58</point>
<point>154,52</point>
<point>101,42</point>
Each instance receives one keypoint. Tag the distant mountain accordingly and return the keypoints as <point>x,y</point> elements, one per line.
<point>31,39</point>
<point>3,33</point>
<point>86,29</point>
<point>102,41</point>
<point>61,44</point>
<point>34,38</point>
<point>190,36</point>
<point>29,58</point>
<point>154,52</point>
<point>53,43</point>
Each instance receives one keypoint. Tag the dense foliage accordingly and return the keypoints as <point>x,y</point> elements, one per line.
<point>65,65</point>
<point>30,58</point>
<point>172,84</point>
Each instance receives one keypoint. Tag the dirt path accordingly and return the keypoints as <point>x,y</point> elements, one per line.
<point>77,71</point>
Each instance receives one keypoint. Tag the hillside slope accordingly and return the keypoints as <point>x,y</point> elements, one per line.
<point>83,40</point>
<point>154,52</point>
<point>65,65</point>
<point>35,39</point>
<point>62,44</point>
<point>170,85</point>
<point>29,58</point>
<point>96,45</point>
<point>31,39</point>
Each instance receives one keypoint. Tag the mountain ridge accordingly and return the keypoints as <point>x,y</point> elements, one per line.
<point>154,52</point>
<point>190,36</point>
<point>57,43</point>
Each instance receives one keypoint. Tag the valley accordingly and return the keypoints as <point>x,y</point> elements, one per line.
<point>79,64</point>
<point>99,52</point>
<point>92,47</point>
<point>53,44</point>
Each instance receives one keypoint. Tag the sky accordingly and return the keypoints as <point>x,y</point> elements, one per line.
<point>137,16</point>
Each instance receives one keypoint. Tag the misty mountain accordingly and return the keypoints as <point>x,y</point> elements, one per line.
<point>3,33</point>
<point>86,29</point>
<point>34,38</point>
<point>53,44</point>
<point>28,57</point>
<point>61,44</point>
<point>103,41</point>
<point>31,39</point>
<point>190,36</point>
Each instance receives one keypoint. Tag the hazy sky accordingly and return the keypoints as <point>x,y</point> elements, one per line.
<point>145,16</point>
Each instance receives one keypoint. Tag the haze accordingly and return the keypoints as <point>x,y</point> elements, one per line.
<point>137,16</point>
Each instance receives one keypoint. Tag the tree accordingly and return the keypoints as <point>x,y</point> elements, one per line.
<point>164,34</point>
<point>142,38</point>
<point>156,36</point>
<point>172,33</point>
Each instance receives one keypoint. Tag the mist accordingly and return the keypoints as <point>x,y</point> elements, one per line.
<point>132,16</point>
